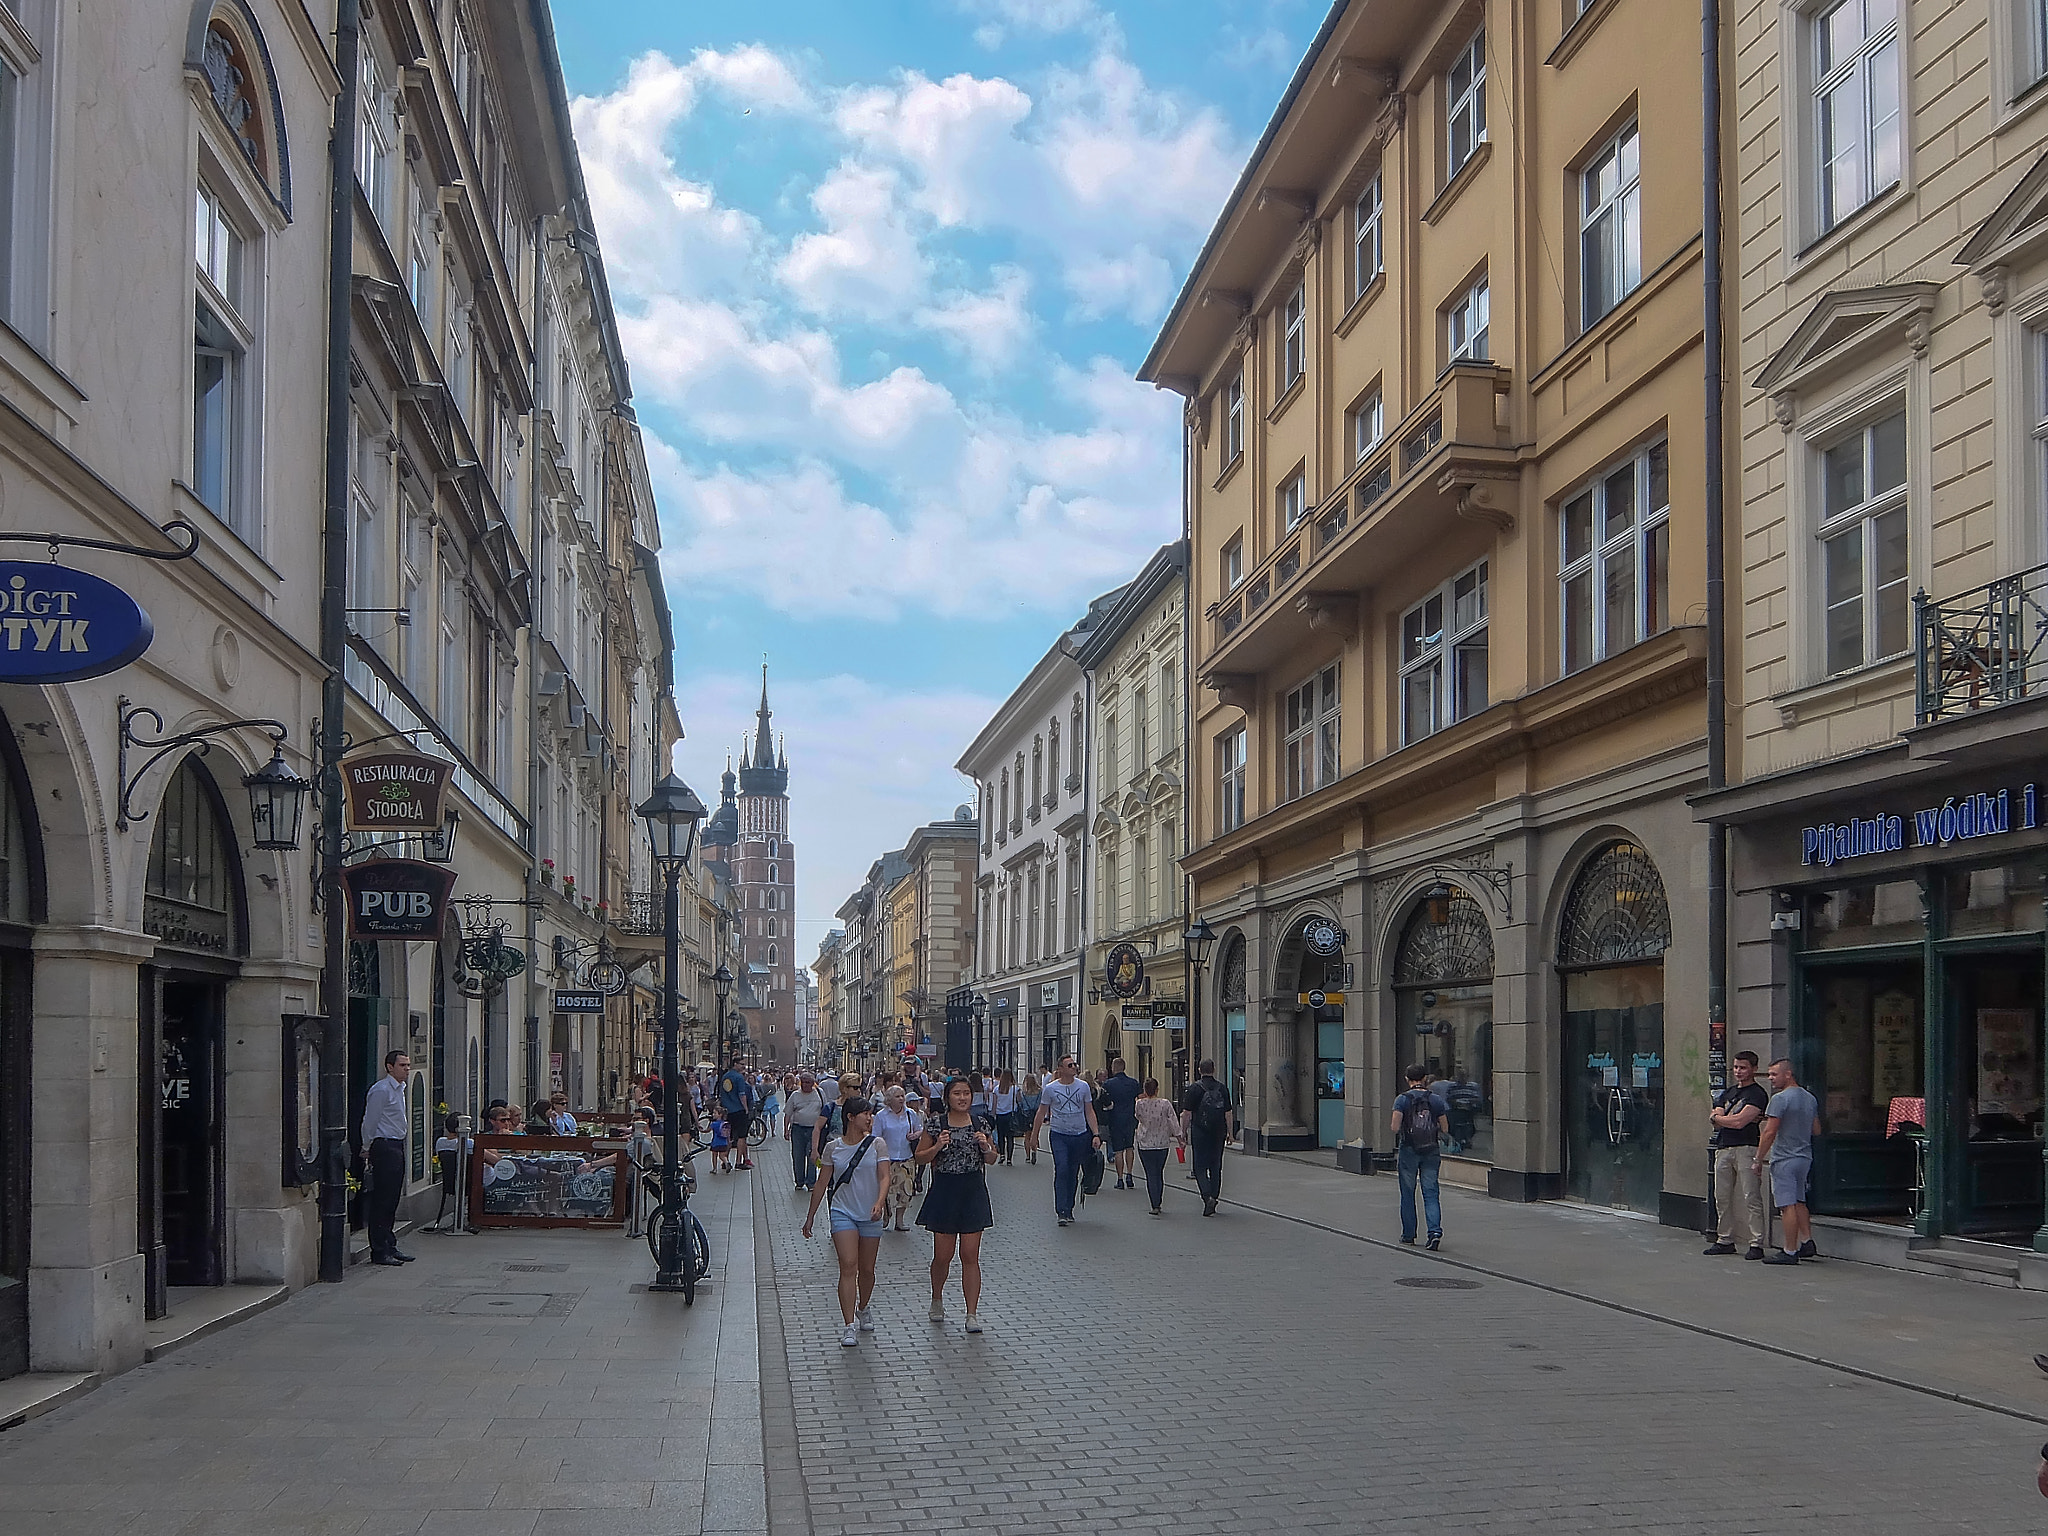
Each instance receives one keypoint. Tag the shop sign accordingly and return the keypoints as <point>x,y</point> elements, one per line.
<point>58,625</point>
<point>607,976</point>
<point>397,898</point>
<point>1170,1012</point>
<point>578,1001</point>
<point>394,791</point>
<point>1123,974</point>
<point>1321,999</point>
<point>186,926</point>
<point>1322,937</point>
<point>1957,819</point>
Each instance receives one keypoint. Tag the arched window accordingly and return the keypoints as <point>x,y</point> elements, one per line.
<point>1443,1004</point>
<point>190,897</point>
<point>774,849</point>
<point>774,874</point>
<point>226,49</point>
<point>1617,911</point>
<point>773,954</point>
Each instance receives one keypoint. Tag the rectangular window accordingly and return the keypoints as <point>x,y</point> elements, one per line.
<point>1294,336</point>
<point>1611,226</point>
<point>1368,426</point>
<point>1864,544</point>
<point>377,134</point>
<point>1311,718</point>
<point>1073,899</point>
<point>1443,656</point>
<point>1368,251</point>
<point>1233,564</point>
<point>1292,501</point>
<point>1141,879</point>
<point>366,535</point>
<point>1614,559</point>
<point>2037,39</point>
<point>448,705</point>
<point>1169,707</point>
<point>1233,418</point>
<point>1230,759</point>
<point>1465,325</point>
<point>414,553</point>
<point>1465,103</point>
<point>220,362</point>
<point>1855,103</point>
<point>1141,727</point>
<point>1110,756</point>
<point>1106,898</point>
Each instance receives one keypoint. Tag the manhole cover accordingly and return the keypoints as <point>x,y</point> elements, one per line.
<point>1548,1367</point>
<point>1437,1283</point>
<point>510,1306</point>
<point>537,1269</point>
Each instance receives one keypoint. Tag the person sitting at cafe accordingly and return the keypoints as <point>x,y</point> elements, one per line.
<point>537,1121</point>
<point>559,1116</point>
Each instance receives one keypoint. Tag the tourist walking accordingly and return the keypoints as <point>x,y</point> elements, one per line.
<point>858,1189</point>
<point>1005,1104</point>
<point>899,1123</point>
<point>383,1132</point>
<point>773,1091</point>
<point>1738,1186</point>
<point>1206,1119</point>
<point>1027,1113</point>
<point>958,1145</point>
<point>1786,1143</point>
<point>1157,1132</point>
<point>1419,1121</point>
<point>1121,1090</point>
<point>1067,1109</point>
<point>802,1115</point>
<point>736,1099</point>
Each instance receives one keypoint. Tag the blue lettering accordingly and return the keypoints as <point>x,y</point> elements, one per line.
<point>1927,827</point>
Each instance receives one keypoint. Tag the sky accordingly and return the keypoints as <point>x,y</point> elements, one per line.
<point>883,273</point>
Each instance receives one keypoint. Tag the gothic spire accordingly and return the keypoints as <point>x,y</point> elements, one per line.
<point>763,769</point>
<point>764,742</point>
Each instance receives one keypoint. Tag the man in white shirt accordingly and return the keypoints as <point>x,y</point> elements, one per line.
<point>384,1157</point>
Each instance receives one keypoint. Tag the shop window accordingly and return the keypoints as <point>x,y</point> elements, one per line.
<point>2004,898</point>
<point>1443,994</point>
<point>15,872</point>
<point>189,891</point>
<point>1857,916</point>
<point>1867,1020</point>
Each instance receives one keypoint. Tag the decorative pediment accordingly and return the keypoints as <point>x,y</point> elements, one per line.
<point>2017,227</point>
<point>1845,326</point>
<point>1107,824</point>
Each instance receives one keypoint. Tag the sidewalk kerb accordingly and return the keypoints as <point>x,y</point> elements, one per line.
<point>789,1505</point>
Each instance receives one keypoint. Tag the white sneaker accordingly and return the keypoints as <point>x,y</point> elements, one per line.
<point>852,1335</point>
<point>938,1312</point>
<point>973,1323</point>
<point>863,1322</point>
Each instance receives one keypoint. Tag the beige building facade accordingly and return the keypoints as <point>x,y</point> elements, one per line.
<point>1442,354</point>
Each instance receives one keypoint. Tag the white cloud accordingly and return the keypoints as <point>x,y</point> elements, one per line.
<point>866,262</point>
<point>991,327</point>
<point>1043,17</point>
<point>867,766</point>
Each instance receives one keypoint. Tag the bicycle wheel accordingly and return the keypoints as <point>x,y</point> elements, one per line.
<point>697,1263</point>
<point>654,1220</point>
<point>758,1131</point>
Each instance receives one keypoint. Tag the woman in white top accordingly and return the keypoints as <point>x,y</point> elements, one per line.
<point>899,1124</point>
<point>1004,1101</point>
<point>858,1188</point>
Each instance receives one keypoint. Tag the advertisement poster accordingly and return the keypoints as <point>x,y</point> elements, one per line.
<point>2008,1073</point>
<point>1894,1041</point>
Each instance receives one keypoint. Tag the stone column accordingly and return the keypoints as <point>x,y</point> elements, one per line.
<point>272,1229</point>
<point>86,1285</point>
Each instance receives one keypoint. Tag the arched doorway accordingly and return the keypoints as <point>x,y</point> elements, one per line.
<point>21,888</point>
<point>193,905</point>
<point>1611,938</point>
<point>1318,1103</point>
<point>1443,1012</point>
<point>1230,1003</point>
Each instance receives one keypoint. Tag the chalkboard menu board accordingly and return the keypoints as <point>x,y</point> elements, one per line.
<point>547,1181</point>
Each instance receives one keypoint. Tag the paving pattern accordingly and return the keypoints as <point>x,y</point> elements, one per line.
<point>1249,1375</point>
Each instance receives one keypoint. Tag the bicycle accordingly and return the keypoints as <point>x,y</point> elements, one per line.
<point>757,1130</point>
<point>696,1242</point>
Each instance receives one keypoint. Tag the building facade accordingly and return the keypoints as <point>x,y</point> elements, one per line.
<point>1891,329</point>
<point>1440,357</point>
<point>1136,661</point>
<point>827,1043</point>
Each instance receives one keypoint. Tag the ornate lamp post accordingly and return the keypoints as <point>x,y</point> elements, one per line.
<point>672,813</point>
<point>722,982</point>
<point>1198,942</point>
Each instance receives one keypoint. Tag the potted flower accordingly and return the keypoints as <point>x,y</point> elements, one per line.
<point>547,872</point>
<point>603,910</point>
<point>569,886</point>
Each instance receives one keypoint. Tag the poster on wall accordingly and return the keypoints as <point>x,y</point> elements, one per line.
<point>1894,1032</point>
<point>2008,1076</point>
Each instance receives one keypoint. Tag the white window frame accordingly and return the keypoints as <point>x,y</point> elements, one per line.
<point>1312,743</point>
<point>1169,710</point>
<point>1141,729</point>
<point>1294,337</point>
<point>1233,419</point>
<point>1468,324</point>
<point>1611,225</point>
<point>28,76</point>
<point>226,289</point>
<point>1465,104</point>
<point>1863,73</point>
<point>415,558</point>
<point>1368,236</point>
<point>1857,526</point>
<point>1291,501</point>
<point>1230,779</point>
<point>1368,426</point>
<point>1233,565</point>
<point>1430,657</point>
<point>453,671</point>
<point>376,132</point>
<point>1640,551</point>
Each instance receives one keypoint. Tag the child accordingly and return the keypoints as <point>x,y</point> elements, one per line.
<point>721,1147</point>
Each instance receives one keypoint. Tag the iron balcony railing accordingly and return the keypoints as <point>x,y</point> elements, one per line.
<point>1982,647</point>
<point>641,913</point>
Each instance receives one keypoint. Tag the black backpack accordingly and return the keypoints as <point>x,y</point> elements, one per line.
<point>1212,1110</point>
<point>1418,1121</point>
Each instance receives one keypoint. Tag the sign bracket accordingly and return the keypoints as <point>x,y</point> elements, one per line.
<point>125,814</point>
<point>57,541</point>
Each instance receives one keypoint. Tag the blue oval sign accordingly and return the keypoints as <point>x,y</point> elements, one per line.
<point>58,625</point>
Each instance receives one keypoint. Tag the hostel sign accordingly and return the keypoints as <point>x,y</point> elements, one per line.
<point>394,791</point>
<point>58,625</point>
<point>397,898</point>
<point>1957,819</point>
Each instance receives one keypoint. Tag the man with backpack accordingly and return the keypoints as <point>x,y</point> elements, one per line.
<point>1206,1119</point>
<point>1420,1119</point>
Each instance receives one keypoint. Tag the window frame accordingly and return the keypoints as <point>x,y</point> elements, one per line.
<point>1439,653</point>
<point>1615,220</point>
<point>1862,517</point>
<point>1467,103</point>
<point>1477,346</point>
<point>1635,545</point>
<point>1294,336</point>
<point>1312,716</point>
<point>1231,564</point>
<point>1820,84</point>
<point>226,295</point>
<point>1233,419</point>
<point>1368,415</point>
<point>1368,234</point>
<point>1231,746</point>
<point>1290,501</point>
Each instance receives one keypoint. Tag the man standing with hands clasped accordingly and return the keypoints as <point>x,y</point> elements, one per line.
<point>1738,1190</point>
<point>384,1157</point>
<point>1787,1141</point>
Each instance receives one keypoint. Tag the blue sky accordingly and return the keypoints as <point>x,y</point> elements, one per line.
<point>883,272</point>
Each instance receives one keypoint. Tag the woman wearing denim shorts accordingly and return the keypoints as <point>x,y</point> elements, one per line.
<point>858,1187</point>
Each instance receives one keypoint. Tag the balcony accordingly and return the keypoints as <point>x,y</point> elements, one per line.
<point>1981,648</point>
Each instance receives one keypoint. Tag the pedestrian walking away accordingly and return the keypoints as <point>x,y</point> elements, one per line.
<point>1067,1109</point>
<point>1786,1143</point>
<point>383,1132</point>
<point>1121,1090</point>
<point>1006,1097</point>
<point>1157,1133</point>
<point>1207,1118</point>
<point>1419,1122</point>
<point>899,1124</point>
<point>736,1099</point>
<point>858,1187</point>
<point>1028,1099</point>
<point>957,1145</point>
<point>773,1092</point>
<point>1738,1187</point>
<point>804,1111</point>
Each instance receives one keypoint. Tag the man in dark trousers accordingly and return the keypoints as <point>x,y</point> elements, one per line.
<point>736,1098</point>
<point>1206,1119</point>
<point>1419,1122</point>
<point>1121,1091</point>
<point>384,1157</point>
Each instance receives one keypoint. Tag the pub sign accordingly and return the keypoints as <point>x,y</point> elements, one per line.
<point>394,791</point>
<point>397,898</point>
<point>59,625</point>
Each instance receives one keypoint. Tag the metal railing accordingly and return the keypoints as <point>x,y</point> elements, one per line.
<point>640,912</point>
<point>1981,647</point>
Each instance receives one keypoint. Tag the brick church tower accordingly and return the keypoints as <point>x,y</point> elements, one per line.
<point>754,842</point>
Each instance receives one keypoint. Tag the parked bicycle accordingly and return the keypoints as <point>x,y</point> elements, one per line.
<point>696,1242</point>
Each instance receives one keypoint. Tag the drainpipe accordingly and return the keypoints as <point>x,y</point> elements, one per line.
<point>530,1023</point>
<point>341,179</point>
<point>1717,624</point>
<point>1189,445</point>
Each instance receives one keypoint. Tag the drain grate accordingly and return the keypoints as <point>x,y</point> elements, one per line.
<point>537,1269</point>
<point>1437,1283</point>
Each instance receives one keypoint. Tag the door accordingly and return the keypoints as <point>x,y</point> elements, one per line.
<point>14,1163</point>
<point>189,1092</point>
<point>1329,1077</point>
<point>1995,1014</point>
<point>1614,1086</point>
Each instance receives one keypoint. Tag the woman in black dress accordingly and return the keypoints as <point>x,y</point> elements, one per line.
<point>957,1145</point>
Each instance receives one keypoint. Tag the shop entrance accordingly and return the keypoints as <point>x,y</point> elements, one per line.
<point>1329,1077</point>
<point>1230,1000</point>
<point>1994,1003</point>
<point>1443,1009</point>
<point>20,901</point>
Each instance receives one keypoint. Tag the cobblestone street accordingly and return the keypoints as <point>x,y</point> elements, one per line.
<point>1252,1375</point>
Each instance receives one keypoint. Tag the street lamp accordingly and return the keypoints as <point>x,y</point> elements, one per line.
<point>722,982</point>
<point>1198,942</point>
<point>277,803</point>
<point>672,813</point>
<point>1436,903</point>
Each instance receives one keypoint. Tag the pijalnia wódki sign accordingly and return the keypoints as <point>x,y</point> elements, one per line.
<point>394,791</point>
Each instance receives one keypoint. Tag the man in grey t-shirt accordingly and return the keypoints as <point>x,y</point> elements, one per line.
<point>1787,1141</point>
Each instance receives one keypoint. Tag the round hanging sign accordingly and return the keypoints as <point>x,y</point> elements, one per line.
<point>58,625</point>
<point>1124,973</point>
<point>1322,936</point>
<point>606,976</point>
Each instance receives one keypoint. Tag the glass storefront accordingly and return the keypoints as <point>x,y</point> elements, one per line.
<point>1443,1006</point>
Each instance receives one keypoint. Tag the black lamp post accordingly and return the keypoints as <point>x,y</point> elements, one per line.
<point>1198,941</point>
<point>722,982</point>
<point>672,813</point>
